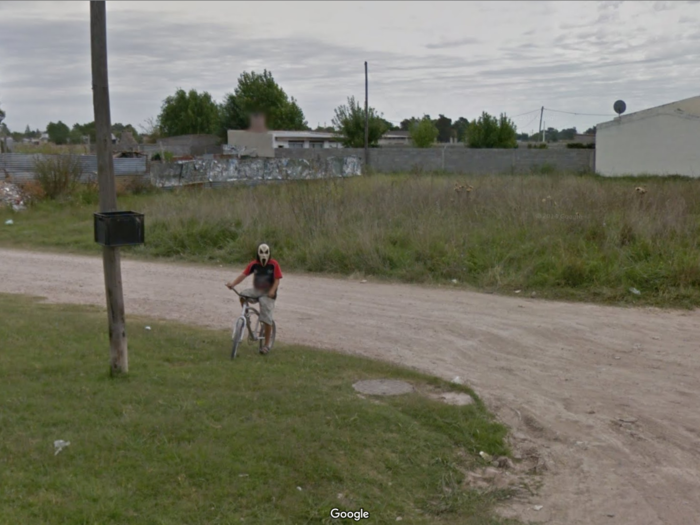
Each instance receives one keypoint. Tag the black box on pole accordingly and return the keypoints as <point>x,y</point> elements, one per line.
<point>119,228</point>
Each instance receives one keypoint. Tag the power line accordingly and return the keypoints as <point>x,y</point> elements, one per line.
<point>533,119</point>
<point>582,114</point>
<point>521,114</point>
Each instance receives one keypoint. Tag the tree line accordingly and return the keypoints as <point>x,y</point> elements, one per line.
<point>193,112</point>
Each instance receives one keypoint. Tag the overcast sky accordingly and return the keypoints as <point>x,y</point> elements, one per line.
<point>454,58</point>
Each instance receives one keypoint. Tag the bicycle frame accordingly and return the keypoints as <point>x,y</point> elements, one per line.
<point>246,319</point>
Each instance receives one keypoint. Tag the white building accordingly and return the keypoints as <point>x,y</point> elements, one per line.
<point>305,139</point>
<point>395,138</point>
<point>264,143</point>
<point>664,140</point>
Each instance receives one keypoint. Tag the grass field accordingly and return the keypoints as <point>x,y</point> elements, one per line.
<point>561,236</point>
<point>190,436</point>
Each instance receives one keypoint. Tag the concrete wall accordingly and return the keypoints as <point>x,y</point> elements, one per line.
<point>215,172</point>
<point>252,142</point>
<point>461,159</point>
<point>20,167</point>
<point>660,142</point>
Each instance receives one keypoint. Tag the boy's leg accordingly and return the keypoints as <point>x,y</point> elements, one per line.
<point>267,307</point>
<point>268,333</point>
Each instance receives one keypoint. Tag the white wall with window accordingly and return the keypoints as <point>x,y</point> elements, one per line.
<point>305,140</point>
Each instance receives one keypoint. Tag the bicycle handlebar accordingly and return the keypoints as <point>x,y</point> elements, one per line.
<point>239,295</point>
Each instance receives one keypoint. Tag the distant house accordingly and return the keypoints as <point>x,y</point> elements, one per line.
<point>395,138</point>
<point>656,141</point>
<point>258,141</point>
<point>582,138</point>
<point>305,139</point>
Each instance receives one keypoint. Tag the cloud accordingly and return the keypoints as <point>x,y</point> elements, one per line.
<point>510,62</point>
<point>447,44</point>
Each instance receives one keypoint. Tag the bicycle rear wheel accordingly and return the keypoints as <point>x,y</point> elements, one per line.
<point>261,336</point>
<point>237,336</point>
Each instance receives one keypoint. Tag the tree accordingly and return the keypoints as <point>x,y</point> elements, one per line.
<point>424,133</point>
<point>119,128</point>
<point>290,117</point>
<point>590,131</point>
<point>567,134</point>
<point>231,116</point>
<point>492,132</point>
<point>188,113</point>
<point>83,130</point>
<point>259,93</point>
<point>349,122</point>
<point>407,123</point>
<point>150,130</point>
<point>58,132</point>
<point>460,127</point>
<point>444,127</point>
<point>389,126</point>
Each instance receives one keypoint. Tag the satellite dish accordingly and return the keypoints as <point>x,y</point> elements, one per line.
<point>620,107</point>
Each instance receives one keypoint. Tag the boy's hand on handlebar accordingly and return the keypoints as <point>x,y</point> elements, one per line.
<point>229,286</point>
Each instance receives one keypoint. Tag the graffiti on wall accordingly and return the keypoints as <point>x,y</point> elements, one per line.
<point>222,171</point>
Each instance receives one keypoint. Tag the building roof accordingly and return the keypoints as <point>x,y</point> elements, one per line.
<point>282,134</point>
<point>686,107</point>
<point>396,134</point>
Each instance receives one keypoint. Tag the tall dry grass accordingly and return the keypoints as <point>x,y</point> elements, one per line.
<point>562,236</point>
<point>58,175</point>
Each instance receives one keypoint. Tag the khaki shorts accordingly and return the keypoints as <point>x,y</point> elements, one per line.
<point>267,305</point>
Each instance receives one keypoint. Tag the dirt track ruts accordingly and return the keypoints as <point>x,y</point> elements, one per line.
<point>561,375</point>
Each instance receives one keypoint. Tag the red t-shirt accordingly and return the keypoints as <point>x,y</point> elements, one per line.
<point>263,276</point>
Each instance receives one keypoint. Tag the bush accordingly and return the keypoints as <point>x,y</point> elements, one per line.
<point>167,157</point>
<point>58,174</point>
<point>424,133</point>
<point>33,190</point>
<point>492,132</point>
<point>579,145</point>
<point>543,145</point>
<point>136,185</point>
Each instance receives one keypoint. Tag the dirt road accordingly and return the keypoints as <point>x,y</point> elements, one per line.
<point>609,397</point>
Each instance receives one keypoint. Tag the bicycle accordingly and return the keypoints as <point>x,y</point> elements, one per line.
<point>250,319</point>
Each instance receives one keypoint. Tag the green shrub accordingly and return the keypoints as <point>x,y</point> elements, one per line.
<point>424,133</point>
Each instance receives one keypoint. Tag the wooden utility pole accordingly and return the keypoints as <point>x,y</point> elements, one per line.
<point>366,118</point>
<point>541,115</point>
<point>118,353</point>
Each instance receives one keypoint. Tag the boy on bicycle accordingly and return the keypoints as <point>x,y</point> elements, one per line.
<point>266,279</point>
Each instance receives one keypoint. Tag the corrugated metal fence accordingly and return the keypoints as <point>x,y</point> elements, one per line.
<point>21,167</point>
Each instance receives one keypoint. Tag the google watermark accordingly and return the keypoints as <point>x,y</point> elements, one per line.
<point>356,515</point>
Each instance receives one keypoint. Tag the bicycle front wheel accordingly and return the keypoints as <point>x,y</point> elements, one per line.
<point>237,336</point>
